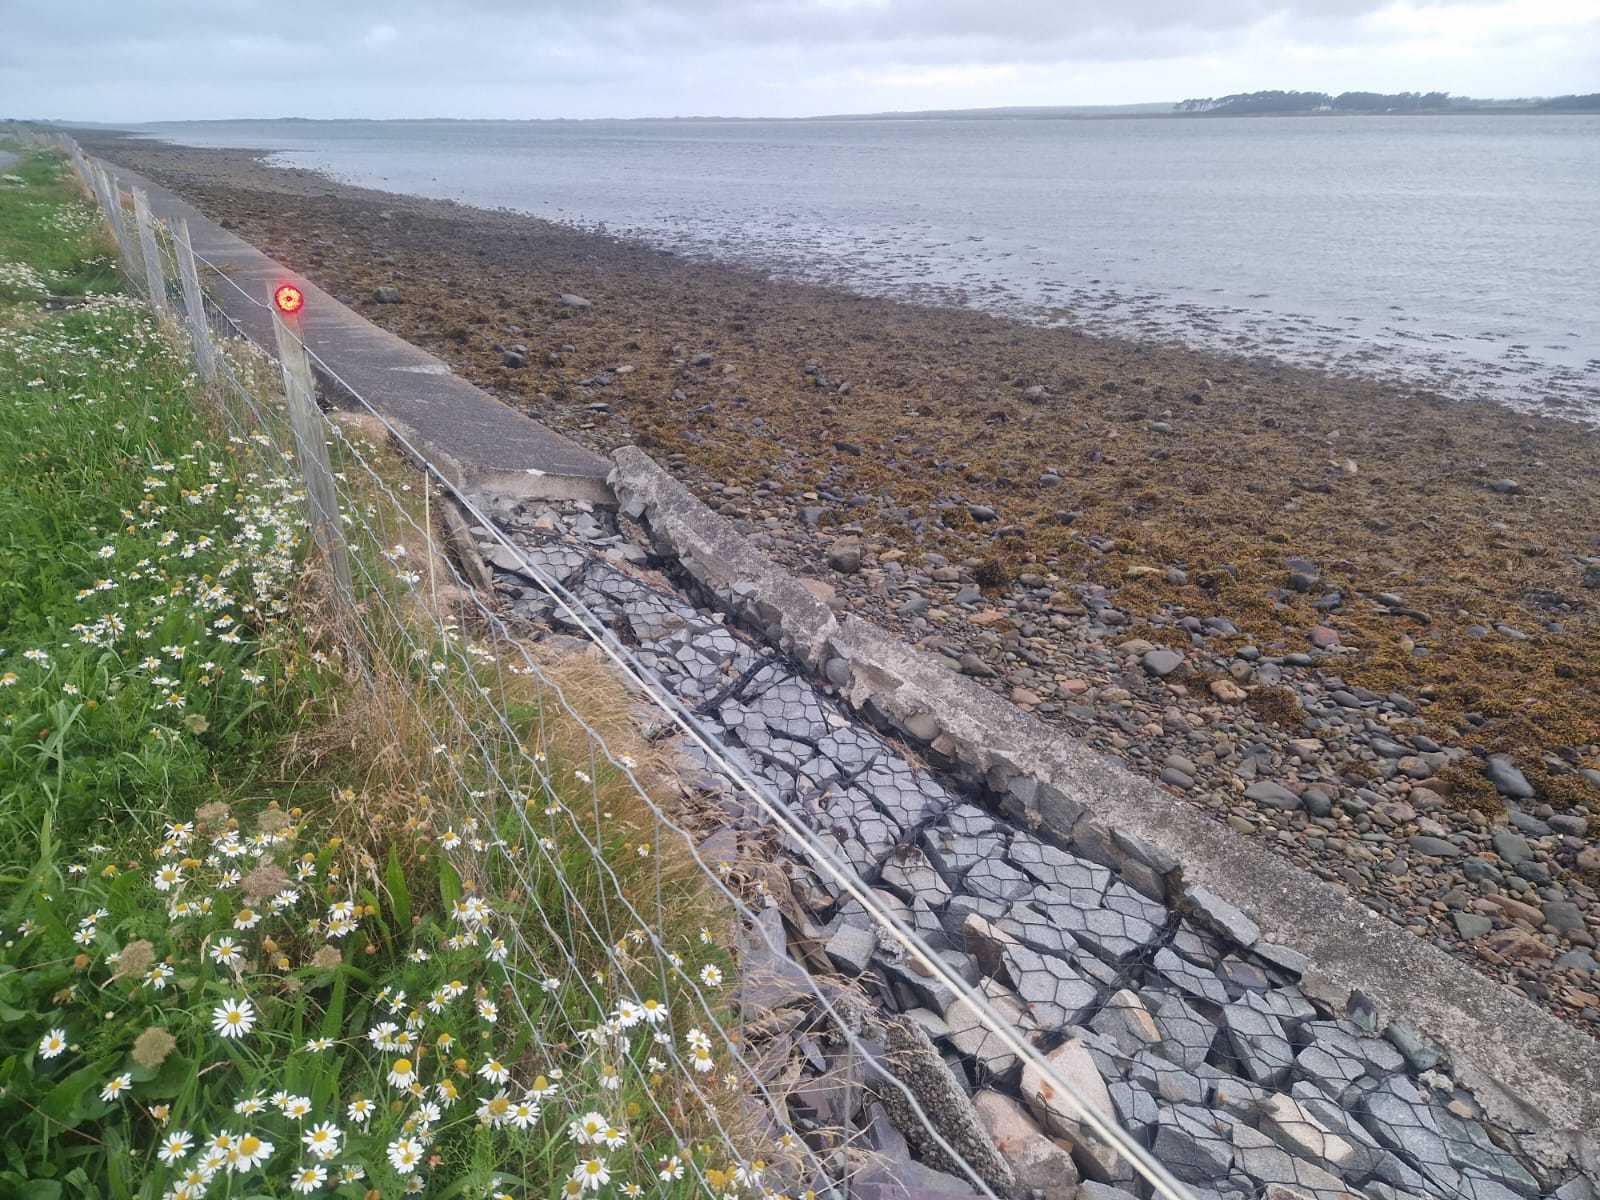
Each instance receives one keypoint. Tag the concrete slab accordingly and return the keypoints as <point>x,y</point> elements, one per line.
<point>487,444</point>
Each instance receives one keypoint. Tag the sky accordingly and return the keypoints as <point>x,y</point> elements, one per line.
<point>125,61</point>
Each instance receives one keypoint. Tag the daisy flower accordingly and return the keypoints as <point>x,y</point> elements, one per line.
<point>52,1043</point>
<point>174,1146</point>
<point>322,1140</point>
<point>308,1179</point>
<point>588,1129</point>
<point>233,1018</point>
<point>494,1071</point>
<point>360,1111</point>
<point>404,1155</point>
<point>248,1153</point>
<point>296,1107</point>
<point>541,1087</point>
<point>496,1110</point>
<point>115,1086</point>
<point>592,1174</point>
<point>402,1073</point>
<point>168,877</point>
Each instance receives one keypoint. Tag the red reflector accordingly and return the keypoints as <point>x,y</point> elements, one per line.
<point>289,299</point>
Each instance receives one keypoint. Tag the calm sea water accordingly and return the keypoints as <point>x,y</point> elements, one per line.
<point>1460,250</point>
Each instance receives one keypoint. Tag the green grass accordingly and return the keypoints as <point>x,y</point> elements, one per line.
<point>214,788</point>
<point>53,232</point>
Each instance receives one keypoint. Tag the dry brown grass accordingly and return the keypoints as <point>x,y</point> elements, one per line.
<point>545,712</point>
<point>418,757</point>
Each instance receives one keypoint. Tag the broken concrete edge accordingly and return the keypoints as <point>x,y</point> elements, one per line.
<point>463,546</point>
<point>1530,1071</point>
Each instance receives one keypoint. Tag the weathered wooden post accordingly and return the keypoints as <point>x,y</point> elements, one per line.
<point>119,225</point>
<point>311,448</point>
<point>155,278</point>
<point>97,180</point>
<point>205,354</point>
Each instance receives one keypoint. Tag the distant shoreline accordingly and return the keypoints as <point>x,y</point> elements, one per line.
<point>1163,111</point>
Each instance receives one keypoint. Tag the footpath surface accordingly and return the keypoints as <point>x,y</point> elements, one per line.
<point>457,425</point>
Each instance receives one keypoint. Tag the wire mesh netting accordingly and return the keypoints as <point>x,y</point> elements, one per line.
<point>800,959</point>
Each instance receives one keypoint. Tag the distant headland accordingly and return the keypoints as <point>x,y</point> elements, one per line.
<point>1275,103</point>
<point>1260,104</point>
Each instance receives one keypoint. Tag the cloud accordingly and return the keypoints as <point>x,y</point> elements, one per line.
<point>84,59</point>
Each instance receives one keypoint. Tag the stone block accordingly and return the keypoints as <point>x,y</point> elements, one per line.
<point>1194,1143</point>
<point>1259,1044</point>
<point>1041,1166</point>
<point>1216,913</point>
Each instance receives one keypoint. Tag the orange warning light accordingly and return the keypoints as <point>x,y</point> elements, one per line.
<point>289,299</point>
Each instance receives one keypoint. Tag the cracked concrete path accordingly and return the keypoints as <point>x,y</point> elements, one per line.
<point>461,428</point>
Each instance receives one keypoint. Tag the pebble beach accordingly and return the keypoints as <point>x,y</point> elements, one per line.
<point>1351,618</point>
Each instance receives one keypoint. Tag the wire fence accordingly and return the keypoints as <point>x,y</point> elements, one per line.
<point>1026,1015</point>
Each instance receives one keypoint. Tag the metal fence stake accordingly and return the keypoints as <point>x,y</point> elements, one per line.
<point>205,354</point>
<point>312,451</point>
<point>155,277</point>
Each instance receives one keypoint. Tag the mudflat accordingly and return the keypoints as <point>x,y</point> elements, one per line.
<point>1348,616</point>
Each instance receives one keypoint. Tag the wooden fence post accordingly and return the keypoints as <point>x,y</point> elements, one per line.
<point>205,354</point>
<point>155,278</point>
<point>97,180</point>
<point>311,448</point>
<point>119,225</point>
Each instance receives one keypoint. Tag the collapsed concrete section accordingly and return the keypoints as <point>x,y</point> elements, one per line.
<point>1530,1071</point>
<point>1224,1051</point>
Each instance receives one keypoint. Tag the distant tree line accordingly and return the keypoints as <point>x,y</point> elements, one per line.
<point>1255,103</point>
<point>1585,103</point>
<point>1243,103</point>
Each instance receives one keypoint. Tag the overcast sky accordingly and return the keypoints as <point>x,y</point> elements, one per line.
<point>127,60</point>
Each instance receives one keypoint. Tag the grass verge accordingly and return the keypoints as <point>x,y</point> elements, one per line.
<point>298,899</point>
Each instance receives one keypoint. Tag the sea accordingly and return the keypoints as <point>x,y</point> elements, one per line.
<point>1458,253</point>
